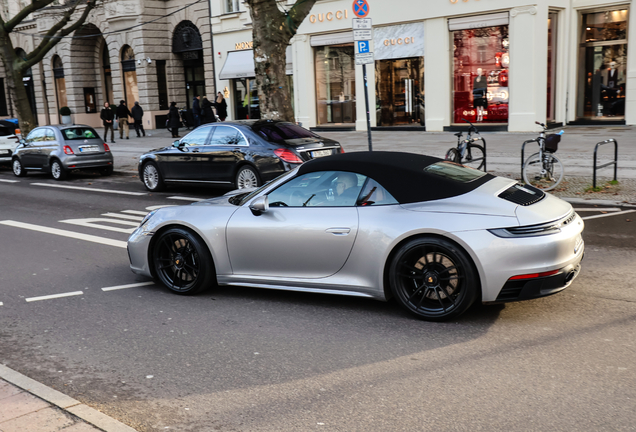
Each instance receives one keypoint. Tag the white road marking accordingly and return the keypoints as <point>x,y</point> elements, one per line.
<point>9,181</point>
<point>612,209</point>
<point>1,303</point>
<point>92,223</point>
<point>112,191</point>
<point>64,233</point>
<point>607,214</point>
<point>124,216</point>
<point>135,212</point>
<point>186,198</point>
<point>54,296</point>
<point>118,287</point>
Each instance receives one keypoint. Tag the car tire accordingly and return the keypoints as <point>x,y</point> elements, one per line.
<point>152,178</point>
<point>182,262</point>
<point>106,171</point>
<point>433,278</point>
<point>18,168</point>
<point>57,170</point>
<point>246,177</point>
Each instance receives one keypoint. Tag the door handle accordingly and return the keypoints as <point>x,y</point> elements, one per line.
<point>196,150</point>
<point>338,231</point>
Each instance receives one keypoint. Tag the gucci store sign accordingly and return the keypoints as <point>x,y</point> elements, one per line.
<point>399,41</point>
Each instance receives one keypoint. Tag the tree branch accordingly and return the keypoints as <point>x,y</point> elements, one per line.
<point>296,15</point>
<point>24,13</point>
<point>49,42</point>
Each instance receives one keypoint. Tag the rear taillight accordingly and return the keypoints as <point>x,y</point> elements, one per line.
<point>287,155</point>
<point>534,275</point>
<point>68,150</point>
<point>106,148</point>
<point>341,149</point>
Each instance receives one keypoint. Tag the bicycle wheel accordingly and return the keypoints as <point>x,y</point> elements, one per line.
<point>546,175</point>
<point>474,157</point>
<point>453,155</point>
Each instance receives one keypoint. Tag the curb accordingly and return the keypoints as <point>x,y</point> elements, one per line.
<point>62,401</point>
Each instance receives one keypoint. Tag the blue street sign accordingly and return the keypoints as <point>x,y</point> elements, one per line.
<point>363,47</point>
<point>360,8</point>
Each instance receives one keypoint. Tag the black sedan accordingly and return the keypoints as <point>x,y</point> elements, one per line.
<point>234,154</point>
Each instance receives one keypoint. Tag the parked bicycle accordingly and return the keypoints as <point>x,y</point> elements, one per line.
<point>467,152</point>
<point>544,170</point>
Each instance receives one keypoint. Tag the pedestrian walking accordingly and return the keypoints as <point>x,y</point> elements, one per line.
<point>122,116</point>
<point>173,120</point>
<point>137,113</point>
<point>196,111</point>
<point>221,106</point>
<point>207,112</point>
<point>107,117</point>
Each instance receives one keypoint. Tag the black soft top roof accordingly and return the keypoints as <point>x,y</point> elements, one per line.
<point>402,174</point>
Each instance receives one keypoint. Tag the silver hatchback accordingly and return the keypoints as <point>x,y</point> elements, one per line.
<point>60,149</point>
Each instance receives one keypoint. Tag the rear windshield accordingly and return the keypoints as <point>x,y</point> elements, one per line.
<point>454,171</point>
<point>283,131</point>
<point>79,133</point>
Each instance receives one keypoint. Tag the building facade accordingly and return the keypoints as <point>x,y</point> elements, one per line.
<point>150,51</point>
<point>503,64</point>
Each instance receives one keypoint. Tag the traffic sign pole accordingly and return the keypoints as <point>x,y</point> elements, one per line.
<point>366,102</point>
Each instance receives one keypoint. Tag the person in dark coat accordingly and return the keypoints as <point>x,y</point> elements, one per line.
<point>221,106</point>
<point>173,120</point>
<point>196,111</point>
<point>107,117</point>
<point>122,115</point>
<point>207,112</point>
<point>137,113</point>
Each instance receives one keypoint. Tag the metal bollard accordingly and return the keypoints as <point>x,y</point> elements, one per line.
<point>614,162</point>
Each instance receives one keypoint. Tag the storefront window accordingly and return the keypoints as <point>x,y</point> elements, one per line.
<point>60,82</point>
<point>480,75</point>
<point>601,87</point>
<point>335,84</point>
<point>399,89</point>
<point>246,102</point>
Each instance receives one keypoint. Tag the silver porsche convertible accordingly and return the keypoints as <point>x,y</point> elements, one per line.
<point>435,235</point>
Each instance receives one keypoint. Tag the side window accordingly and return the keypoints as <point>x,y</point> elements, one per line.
<point>374,194</point>
<point>319,189</point>
<point>35,136</point>
<point>197,137</point>
<point>49,135</point>
<point>224,136</point>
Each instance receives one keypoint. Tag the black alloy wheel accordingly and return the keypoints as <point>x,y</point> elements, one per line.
<point>182,262</point>
<point>18,168</point>
<point>433,279</point>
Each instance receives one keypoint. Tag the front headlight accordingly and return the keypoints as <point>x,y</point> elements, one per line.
<point>147,218</point>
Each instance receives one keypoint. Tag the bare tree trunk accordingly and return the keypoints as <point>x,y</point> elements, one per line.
<point>14,76</point>
<point>272,30</point>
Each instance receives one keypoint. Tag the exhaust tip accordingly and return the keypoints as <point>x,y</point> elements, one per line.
<point>570,276</point>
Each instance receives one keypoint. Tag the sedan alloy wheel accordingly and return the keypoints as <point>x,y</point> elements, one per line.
<point>152,177</point>
<point>18,169</point>
<point>246,177</point>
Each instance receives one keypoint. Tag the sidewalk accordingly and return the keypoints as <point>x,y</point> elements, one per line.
<point>28,406</point>
<point>576,151</point>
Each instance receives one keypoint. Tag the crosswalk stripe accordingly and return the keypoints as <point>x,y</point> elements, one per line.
<point>64,233</point>
<point>609,209</point>
<point>124,216</point>
<point>135,212</point>
<point>186,198</point>
<point>112,191</point>
<point>9,181</point>
<point>607,214</point>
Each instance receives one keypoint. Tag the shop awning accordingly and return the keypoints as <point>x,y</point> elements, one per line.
<point>240,64</point>
<point>478,21</point>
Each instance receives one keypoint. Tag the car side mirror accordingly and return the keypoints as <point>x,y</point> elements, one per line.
<point>260,205</point>
<point>23,142</point>
<point>177,143</point>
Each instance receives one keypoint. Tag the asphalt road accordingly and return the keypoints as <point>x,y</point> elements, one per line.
<point>240,359</point>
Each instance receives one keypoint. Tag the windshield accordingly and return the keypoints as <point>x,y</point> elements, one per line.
<point>283,131</point>
<point>241,199</point>
<point>79,133</point>
<point>454,171</point>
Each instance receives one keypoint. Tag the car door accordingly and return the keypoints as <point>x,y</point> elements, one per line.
<point>184,162</point>
<point>223,152</point>
<point>31,150</point>
<point>47,145</point>
<point>305,233</point>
